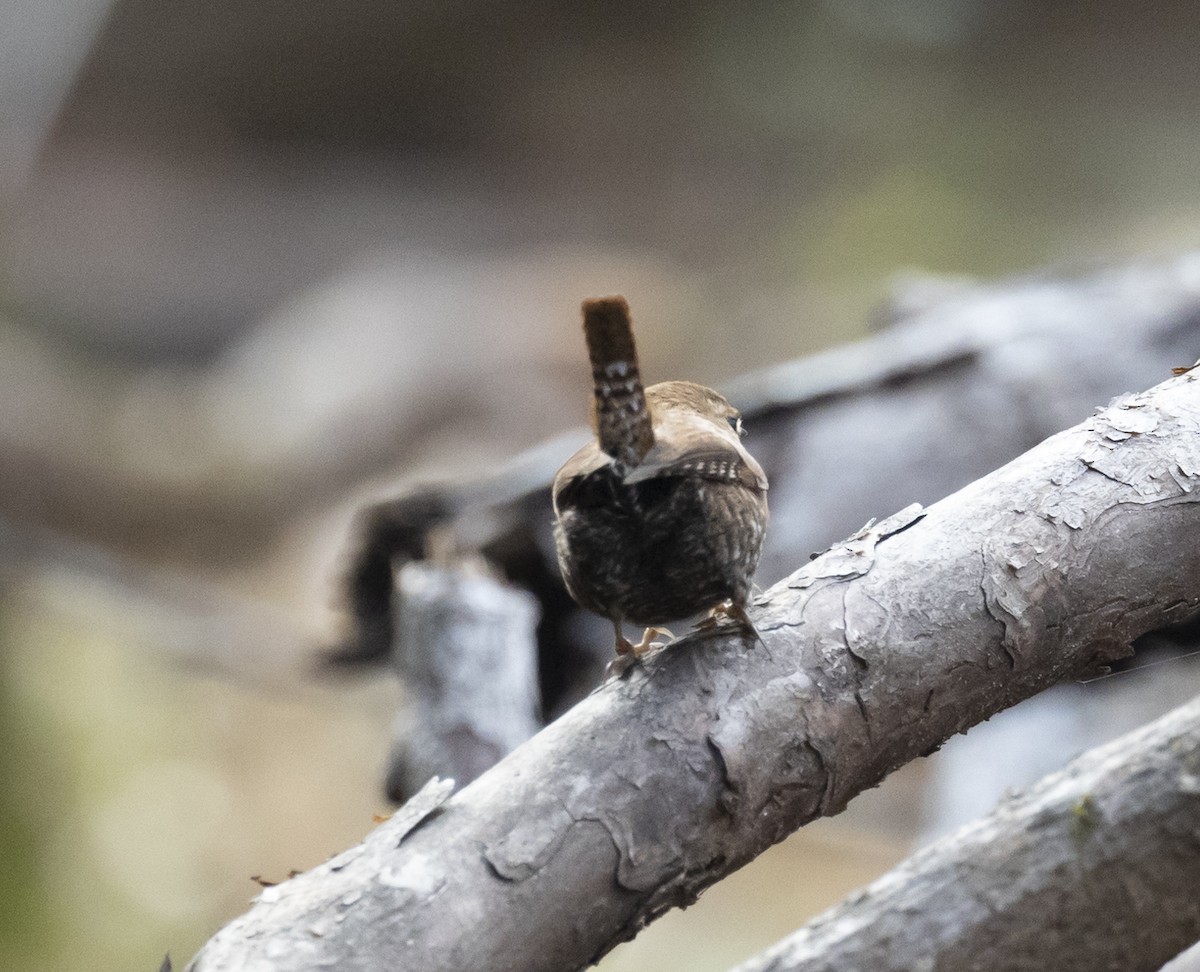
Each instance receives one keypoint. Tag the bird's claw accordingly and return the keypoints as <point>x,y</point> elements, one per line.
<point>648,645</point>
<point>728,611</point>
<point>629,654</point>
<point>622,665</point>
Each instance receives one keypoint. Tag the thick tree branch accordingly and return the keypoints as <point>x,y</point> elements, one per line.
<point>1095,867</point>
<point>657,786</point>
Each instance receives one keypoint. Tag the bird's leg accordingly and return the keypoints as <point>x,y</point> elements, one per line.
<point>624,645</point>
<point>629,654</point>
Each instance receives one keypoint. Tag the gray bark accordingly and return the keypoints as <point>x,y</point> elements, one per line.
<point>1094,868</point>
<point>656,786</point>
<point>466,653</point>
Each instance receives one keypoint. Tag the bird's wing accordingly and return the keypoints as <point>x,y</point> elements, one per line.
<point>691,448</point>
<point>722,463</point>
<point>582,464</point>
<point>694,447</point>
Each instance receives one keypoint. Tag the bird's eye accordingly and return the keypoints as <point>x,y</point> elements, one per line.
<point>735,423</point>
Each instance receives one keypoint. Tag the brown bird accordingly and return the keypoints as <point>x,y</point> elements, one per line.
<point>663,516</point>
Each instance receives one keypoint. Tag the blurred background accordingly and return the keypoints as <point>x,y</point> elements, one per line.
<point>260,261</point>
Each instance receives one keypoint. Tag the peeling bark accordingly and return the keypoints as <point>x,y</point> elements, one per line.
<point>656,786</point>
<point>1096,867</point>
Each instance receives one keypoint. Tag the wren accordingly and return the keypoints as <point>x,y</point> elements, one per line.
<point>663,515</point>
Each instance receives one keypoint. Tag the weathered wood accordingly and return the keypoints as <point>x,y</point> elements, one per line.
<point>657,786</point>
<point>1095,867</point>
<point>466,652</point>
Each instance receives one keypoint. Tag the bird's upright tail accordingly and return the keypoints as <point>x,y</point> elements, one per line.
<point>620,417</point>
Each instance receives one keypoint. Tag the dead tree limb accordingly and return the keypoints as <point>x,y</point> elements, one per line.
<point>657,786</point>
<point>466,652</point>
<point>1095,867</point>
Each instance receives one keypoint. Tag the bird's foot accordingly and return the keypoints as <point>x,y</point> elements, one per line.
<point>728,611</point>
<point>648,643</point>
<point>630,655</point>
<point>620,666</point>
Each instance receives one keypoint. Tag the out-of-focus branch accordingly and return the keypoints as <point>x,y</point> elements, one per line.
<point>467,655</point>
<point>878,651</point>
<point>42,47</point>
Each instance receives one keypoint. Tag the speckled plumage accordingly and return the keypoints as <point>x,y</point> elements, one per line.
<point>674,532</point>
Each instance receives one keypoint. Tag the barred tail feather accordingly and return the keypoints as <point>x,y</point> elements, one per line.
<point>621,417</point>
